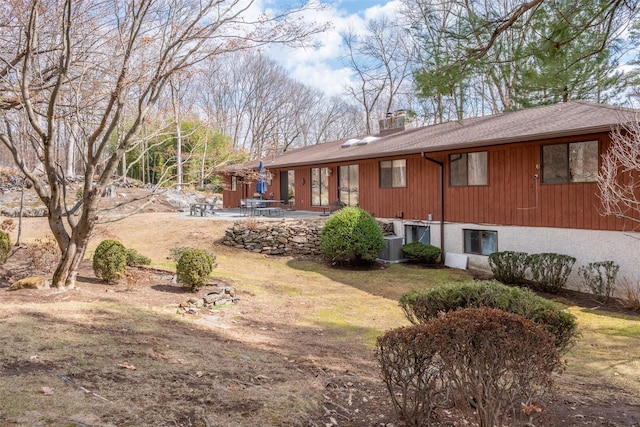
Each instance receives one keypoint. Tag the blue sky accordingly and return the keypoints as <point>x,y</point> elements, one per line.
<point>320,67</point>
<point>355,6</point>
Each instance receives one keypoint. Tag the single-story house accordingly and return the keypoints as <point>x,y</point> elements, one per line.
<point>523,181</point>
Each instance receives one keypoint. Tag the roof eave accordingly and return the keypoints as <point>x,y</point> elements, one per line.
<point>473,144</point>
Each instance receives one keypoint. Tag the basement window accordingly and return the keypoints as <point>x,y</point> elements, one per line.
<point>480,242</point>
<point>417,233</point>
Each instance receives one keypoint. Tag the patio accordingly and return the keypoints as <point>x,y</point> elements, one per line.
<point>235,214</point>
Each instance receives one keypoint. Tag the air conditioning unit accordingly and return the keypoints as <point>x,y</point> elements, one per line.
<point>392,251</point>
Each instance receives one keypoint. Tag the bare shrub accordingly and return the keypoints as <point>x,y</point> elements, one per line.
<point>496,362</point>
<point>45,255</point>
<point>135,277</point>
<point>412,372</point>
<point>7,225</point>
<point>600,278</point>
<point>251,223</point>
<point>630,294</point>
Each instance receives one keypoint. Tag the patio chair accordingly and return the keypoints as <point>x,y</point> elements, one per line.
<point>213,204</point>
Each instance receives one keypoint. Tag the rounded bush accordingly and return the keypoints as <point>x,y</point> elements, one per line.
<point>550,270</point>
<point>194,267</point>
<point>421,306</point>
<point>110,260</point>
<point>480,363</point>
<point>413,373</point>
<point>5,246</point>
<point>508,266</point>
<point>351,235</point>
<point>135,259</point>
<point>495,361</point>
<point>421,252</point>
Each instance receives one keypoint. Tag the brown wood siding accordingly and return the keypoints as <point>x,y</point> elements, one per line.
<point>230,199</point>
<point>416,200</point>
<point>515,194</point>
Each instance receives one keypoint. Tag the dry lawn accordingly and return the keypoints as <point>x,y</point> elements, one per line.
<point>295,350</point>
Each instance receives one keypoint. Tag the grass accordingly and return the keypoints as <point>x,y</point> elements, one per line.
<point>325,319</point>
<point>390,282</point>
<point>608,350</point>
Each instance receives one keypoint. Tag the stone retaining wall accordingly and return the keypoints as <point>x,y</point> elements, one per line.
<point>276,238</point>
<point>287,237</point>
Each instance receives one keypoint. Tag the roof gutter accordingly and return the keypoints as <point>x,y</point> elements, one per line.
<point>424,156</point>
<point>438,149</point>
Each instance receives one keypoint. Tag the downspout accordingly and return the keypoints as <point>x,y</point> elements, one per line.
<point>424,156</point>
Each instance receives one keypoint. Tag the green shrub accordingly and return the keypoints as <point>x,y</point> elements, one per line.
<point>421,252</point>
<point>600,277</point>
<point>351,235</point>
<point>5,246</point>
<point>550,271</point>
<point>194,267</point>
<point>136,259</point>
<point>508,266</point>
<point>421,306</point>
<point>110,260</point>
<point>176,253</point>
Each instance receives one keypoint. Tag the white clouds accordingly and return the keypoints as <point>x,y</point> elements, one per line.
<point>320,66</point>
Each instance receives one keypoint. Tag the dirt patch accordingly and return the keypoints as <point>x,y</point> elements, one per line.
<point>276,357</point>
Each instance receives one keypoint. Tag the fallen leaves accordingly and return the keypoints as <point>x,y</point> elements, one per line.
<point>47,391</point>
<point>126,365</point>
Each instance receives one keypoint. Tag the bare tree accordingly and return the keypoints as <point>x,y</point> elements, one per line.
<point>370,79</point>
<point>619,176</point>
<point>104,65</point>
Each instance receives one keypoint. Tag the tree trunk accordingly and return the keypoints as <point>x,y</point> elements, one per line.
<point>72,142</point>
<point>72,245</point>
<point>176,116</point>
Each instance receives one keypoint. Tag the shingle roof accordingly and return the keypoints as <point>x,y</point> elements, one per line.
<point>558,120</point>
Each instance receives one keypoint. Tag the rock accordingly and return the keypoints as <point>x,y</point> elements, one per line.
<point>213,298</point>
<point>195,302</point>
<point>35,282</point>
<point>216,290</point>
<point>109,191</point>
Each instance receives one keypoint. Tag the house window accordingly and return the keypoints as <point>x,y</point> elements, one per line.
<point>348,188</point>
<point>572,162</point>
<point>234,183</point>
<point>319,186</point>
<point>468,169</point>
<point>393,173</point>
<point>417,233</point>
<point>480,242</point>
